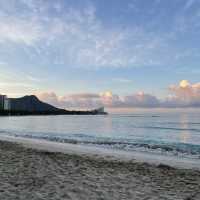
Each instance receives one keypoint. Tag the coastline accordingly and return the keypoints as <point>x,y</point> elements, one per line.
<point>101,153</point>
<point>32,170</point>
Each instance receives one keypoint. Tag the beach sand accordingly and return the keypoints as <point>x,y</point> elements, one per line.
<point>27,174</point>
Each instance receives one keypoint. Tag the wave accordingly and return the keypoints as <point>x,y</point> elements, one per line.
<point>126,144</point>
<point>176,149</point>
<point>170,128</point>
<point>181,123</point>
<point>136,116</point>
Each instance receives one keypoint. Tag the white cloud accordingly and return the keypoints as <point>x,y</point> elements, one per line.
<point>78,38</point>
<point>182,95</point>
<point>107,99</point>
<point>17,83</point>
<point>141,100</point>
<point>122,80</point>
<point>49,97</point>
<point>69,36</point>
<point>19,31</point>
<point>32,78</point>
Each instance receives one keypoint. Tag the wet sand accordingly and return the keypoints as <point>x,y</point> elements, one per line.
<point>27,174</point>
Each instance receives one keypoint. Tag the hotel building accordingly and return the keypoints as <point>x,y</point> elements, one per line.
<point>4,103</point>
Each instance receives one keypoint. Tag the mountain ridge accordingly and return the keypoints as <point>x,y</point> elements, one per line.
<point>31,105</point>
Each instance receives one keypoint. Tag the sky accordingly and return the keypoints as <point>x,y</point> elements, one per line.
<point>90,53</point>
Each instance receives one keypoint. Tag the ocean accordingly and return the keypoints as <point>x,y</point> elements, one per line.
<point>174,134</point>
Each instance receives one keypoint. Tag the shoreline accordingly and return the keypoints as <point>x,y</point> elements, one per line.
<point>108,154</point>
<point>33,173</point>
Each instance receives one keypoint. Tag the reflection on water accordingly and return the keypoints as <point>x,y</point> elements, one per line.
<point>108,125</point>
<point>185,135</point>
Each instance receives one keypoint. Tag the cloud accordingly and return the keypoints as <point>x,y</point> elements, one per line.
<point>82,100</point>
<point>17,83</point>
<point>78,36</point>
<point>141,100</point>
<point>183,95</point>
<point>122,80</point>
<point>107,99</point>
<point>75,37</point>
<point>83,96</point>
<point>49,97</point>
<point>33,78</point>
<point>18,31</point>
<point>71,101</point>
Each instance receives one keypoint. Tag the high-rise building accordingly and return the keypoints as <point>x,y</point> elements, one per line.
<point>7,104</point>
<point>2,98</point>
<point>4,103</point>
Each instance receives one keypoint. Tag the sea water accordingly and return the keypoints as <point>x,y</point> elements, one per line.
<point>166,133</point>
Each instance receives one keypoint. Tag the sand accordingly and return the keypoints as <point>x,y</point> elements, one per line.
<point>27,173</point>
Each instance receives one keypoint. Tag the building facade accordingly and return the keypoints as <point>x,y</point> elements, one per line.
<point>2,98</point>
<point>5,103</point>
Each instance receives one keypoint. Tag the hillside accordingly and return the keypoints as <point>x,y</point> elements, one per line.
<point>30,103</point>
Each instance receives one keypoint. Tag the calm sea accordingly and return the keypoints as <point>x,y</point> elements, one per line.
<point>176,134</point>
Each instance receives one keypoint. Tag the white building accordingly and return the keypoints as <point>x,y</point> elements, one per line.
<point>7,104</point>
<point>4,103</point>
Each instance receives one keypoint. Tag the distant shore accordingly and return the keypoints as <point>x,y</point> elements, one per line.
<point>28,173</point>
<point>56,112</point>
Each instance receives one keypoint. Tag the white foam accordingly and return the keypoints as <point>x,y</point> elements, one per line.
<point>104,153</point>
